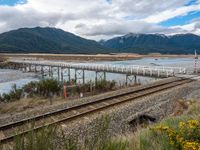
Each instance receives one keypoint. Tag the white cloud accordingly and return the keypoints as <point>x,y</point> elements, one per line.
<point>111,29</point>
<point>144,8</point>
<point>192,27</point>
<point>96,18</point>
<point>165,15</point>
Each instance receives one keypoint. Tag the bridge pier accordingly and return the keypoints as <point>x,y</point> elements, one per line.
<point>50,72</point>
<point>64,72</point>
<point>58,72</point>
<point>130,79</point>
<point>42,71</point>
<point>35,68</point>
<point>29,68</point>
<point>79,74</point>
<point>100,76</point>
<point>24,68</point>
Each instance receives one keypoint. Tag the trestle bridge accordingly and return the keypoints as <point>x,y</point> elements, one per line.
<point>62,70</point>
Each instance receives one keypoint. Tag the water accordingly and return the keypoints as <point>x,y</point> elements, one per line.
<point>172,62</point>
<point>10,77</point>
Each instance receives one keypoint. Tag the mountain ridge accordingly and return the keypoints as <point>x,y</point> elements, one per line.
<point>155,43</point>
<point>46,40</point>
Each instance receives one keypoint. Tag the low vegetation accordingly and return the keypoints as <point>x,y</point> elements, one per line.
<point>173,133</point>
<point>185,136</point>
<point>51,87</point>
<point>13,95</point>
<point>42,88</point>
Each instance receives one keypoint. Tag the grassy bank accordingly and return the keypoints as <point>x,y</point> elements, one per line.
<point>180,132</point>
<point>173,133</point>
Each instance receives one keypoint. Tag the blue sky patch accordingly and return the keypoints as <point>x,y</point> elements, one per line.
<point>181,20</point>
<point>12,2</point>
<point>129,18</point>
<point>192,2</point>
<point>109,1</point>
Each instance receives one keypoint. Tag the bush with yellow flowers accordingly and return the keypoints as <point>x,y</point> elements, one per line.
<point>186,136</point>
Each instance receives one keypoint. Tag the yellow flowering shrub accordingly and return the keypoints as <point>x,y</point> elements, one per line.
<point>186,136</point>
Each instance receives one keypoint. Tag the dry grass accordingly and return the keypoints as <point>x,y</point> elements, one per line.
<point>26,104</point>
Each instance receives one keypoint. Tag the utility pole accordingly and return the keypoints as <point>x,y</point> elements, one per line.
<point>195,62</point>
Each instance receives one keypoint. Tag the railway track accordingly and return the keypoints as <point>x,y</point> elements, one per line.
<point>9,131</point>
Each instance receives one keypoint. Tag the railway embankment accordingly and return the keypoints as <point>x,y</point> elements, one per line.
<point>123,117</point>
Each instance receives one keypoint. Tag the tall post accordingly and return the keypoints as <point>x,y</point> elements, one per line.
<point>195,62</point>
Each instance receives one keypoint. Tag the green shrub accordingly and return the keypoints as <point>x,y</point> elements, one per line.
<point>13,95</point>
<point>174,133</point>
<point>48,86</point>
<point>43,87</point>
<point>31,88</point>
<point>104,85</point>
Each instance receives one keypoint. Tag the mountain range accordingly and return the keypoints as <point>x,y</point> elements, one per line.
<point>46,40</point>
<point>53,40</point>
<point>154,43</point>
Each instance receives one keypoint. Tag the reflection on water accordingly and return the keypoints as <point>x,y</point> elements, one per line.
<point>10,77</point>
<point>7,75</point>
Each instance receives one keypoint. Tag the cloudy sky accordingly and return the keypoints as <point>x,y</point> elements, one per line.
<point>103,19</point>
